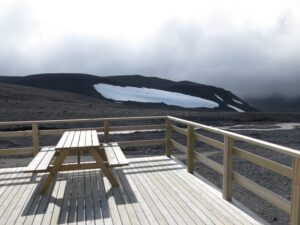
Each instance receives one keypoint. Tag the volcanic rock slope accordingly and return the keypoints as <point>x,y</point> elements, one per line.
<point>83,84</point>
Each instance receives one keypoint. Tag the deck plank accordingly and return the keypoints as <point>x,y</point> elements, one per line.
<point>81,200</point>
<point>52,201</point>
<point>104,201</point>
<point>153,190</point>
<point>63,215</point>
<point>88,139</point>
<point>170,212</point>
<point>89,212</point>
<point>126,201</point>
<point>182,209</point>
<point>96,199</point>
<point>62,140</point>
<point>72,214</point>
<point>207,208</point>
<point>45,162</point>
<point>7,205</point>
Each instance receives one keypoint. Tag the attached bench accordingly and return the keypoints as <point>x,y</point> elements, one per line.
<point>115,155</point>
<point>41,161</point>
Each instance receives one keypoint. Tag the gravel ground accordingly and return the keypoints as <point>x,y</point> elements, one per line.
<point>23,103</point>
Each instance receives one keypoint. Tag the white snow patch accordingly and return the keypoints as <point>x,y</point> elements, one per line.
<point>218,97</point>
<point>152,95</point>
<point>235,108</point>
<point>237,101</point>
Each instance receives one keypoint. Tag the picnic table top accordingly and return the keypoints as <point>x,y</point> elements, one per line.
<point>78,139</point>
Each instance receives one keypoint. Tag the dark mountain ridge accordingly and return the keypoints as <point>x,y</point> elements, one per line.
<point>83,84</point>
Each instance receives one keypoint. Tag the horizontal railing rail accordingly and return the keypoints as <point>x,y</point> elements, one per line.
<point>229,150</point>
<point>189,130</point>
<point>35,133</point>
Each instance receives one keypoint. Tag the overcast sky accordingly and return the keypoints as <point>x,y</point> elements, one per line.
<point>249,47</point>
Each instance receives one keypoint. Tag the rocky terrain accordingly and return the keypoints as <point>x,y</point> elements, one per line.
<point>22,102</point>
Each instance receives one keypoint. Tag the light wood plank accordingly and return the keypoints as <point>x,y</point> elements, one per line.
<point>179,146</point>
<point>35,138</point>
<point>81,200</point>
<point>88,138</point>
<point>209,162</point>
<point>95,139</point>
<point>190,149</point>
<point>63,214</point>
<point>16,151</point>
<point>111,158</point>
<point>168,203</point>
<point>206,216</point>
<point>115,215</point>
<point>179,130</point>
<point>214,202</point>
<point>42,206</point>
<point>72,214</point>
<point>103,198</point>
<point>212,142</point>
<point>45,162</point>
<point>21,202</point>
<point>227,166</point>
<point>121,206</point>
<point>82,139</point>
<point>36,161</point>
<point>168,137</point>
<point>151,204</point>
<point>75,140</point>
<point>57,164</point>
<point>53,202</point>
<point>295,193</point>
<point>141,207</point>
<point>98,217</point>
<point>62,140</point>
<point>266,163</point>
<point>69,140</point>
<point>238,137</point>
<point>105,170</point>
<point>134,220</point>
<point>142,143</point>
<point>122,160</point>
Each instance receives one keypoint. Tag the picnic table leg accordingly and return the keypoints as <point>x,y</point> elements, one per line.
<point>57,164</point>
<point>105,170</point>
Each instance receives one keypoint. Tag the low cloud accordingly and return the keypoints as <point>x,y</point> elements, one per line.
<point>250,62</point>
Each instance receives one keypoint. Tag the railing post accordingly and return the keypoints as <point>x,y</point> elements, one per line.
<point>190,149</point>
<point>106,131</point>
<point>295,193</point>
<point>35,138</point>
<point>168,138</point>
<point>227,164</point>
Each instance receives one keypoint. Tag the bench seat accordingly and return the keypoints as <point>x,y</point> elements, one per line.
<point>115,155</point>
<point>42,160</point>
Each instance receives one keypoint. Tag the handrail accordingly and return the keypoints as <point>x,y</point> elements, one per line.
<point>229,150</point>
<point>80,120</point>
<point>239,137</point>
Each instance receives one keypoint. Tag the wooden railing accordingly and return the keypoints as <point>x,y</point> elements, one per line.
<point>188,129</point>
<point>229,150</point>
<point>36,133</point>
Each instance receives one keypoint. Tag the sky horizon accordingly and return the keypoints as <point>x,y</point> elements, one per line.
<point>251,48</point>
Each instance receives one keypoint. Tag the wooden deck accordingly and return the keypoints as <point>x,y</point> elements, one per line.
<point>153,190</point>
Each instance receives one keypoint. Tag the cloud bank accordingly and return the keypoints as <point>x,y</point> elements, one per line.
<point>252,49</point>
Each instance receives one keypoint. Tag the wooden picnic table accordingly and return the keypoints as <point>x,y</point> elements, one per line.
<point>73,142</point>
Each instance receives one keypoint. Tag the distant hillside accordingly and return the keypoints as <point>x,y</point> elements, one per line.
<point>276,103</point>
<point>83,84</point>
